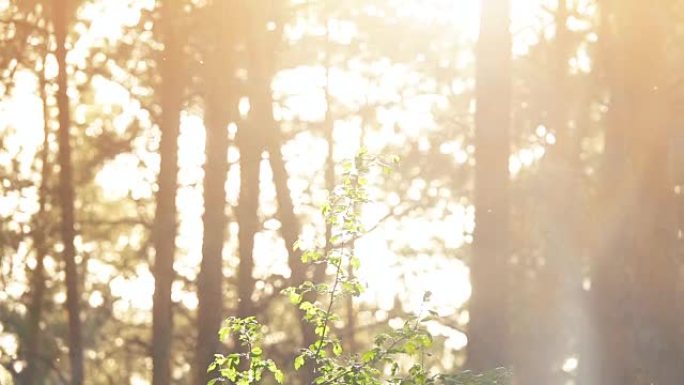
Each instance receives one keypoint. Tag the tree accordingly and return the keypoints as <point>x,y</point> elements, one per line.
<point>552,307</point>
<point>60,20</point>
<point>35,368</point>
<point>261,48</point>
<point>635,273</point>
<point>488,328</point>
<point>164,231</point>
<point>220,109</point>
<point>249,141</point>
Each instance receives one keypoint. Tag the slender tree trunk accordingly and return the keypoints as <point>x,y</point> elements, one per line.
<point>220,105</point>
<point>489,325</point>
<point>636,273</point>
<point>35,370</point>
<point>656,330</point>
<point>247,216</point>
<point>164,230</point>
<point>557,298</point>
<point>258,136</point>
<point>261,51</point>
<point>290,229</point>
<point>610,352</point>
<point>66,194</point>
<point>249,138</point>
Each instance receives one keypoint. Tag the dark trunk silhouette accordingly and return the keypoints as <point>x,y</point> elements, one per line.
<point>488,328</point>
<point>35,369</point>
<point>557,295</point>
<point>164,230</point>
<point>635,276</point>
<point>261,54</point>
<point>60,20</point>
<point>248,140</point>
<point>289,227</point>
<point>220,109</point>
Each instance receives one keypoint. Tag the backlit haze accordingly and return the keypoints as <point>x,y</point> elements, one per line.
<point>410,249</point>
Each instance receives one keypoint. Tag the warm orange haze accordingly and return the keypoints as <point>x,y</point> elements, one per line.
<point>168,164</point>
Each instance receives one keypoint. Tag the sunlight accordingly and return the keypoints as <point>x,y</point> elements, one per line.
<point>303,99</point>
<point>378,101</point>
<point>135,293</point>
<point>21,117</point>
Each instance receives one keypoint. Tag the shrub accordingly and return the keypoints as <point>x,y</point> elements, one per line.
<point>381,363</point>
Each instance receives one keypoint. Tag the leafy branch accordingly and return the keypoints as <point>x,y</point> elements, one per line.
<point>381,363</point>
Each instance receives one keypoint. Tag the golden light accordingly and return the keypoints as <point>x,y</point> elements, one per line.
<point>302,91</point>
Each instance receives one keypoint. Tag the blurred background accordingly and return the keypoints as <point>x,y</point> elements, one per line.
<point>159,158</point>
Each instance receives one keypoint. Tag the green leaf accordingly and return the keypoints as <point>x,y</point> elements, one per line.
<point>337,348</point>
<point>295,298</point>
<point>298,362</point>
<point>426,340</point>
<point>229,373</point>
<point>355,262</point>
<point>325,209</point>
<point>212,381</point>
<point>223,333</point>
<point>410,347</point>
<point>279,376</point>
<point>306,305</point>
<point>368,356</point>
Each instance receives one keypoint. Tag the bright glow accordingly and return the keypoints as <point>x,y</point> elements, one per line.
<point>570,364</point>
<point>301,91</point>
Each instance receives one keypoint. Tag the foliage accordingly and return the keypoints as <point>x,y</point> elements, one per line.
<point>396,357</point>
<point>249,334</point>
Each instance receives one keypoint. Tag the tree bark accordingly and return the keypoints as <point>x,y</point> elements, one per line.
<point>34,369</point>
<point>557,300</point>
<point>488,328</point>
<point>636,273</point>
<point>248,139</point>
<point>164,230</point>
<point>220,108</point>
<point>261,53</point>
<point>67,195</point>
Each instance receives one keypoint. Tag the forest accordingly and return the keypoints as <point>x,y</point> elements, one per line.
<point>358,192</point>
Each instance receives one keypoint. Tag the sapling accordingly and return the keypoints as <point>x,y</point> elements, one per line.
<point>330,366</point>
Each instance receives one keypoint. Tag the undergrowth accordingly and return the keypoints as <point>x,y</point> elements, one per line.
<point>385,361</point>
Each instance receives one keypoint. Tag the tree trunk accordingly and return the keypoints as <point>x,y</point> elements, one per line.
<point>488,328</point>
<point>636,273</point>
<point>557,298</point>
<point>220,105</point>
<point>248,139</point>
<point>35,370</point>
<point>653,231</point>
<point>261,51</point>
<point>290,226</point>
<point>66,194</point>
<point>164,230</point>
